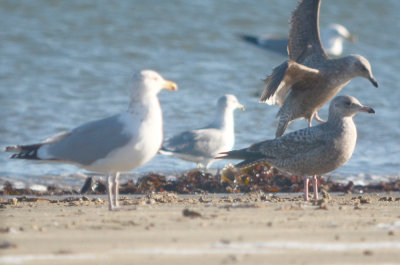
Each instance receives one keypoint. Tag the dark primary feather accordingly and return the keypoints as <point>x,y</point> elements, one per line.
<point>272,82</point>
<point>24,151</point>
<point>304,35</point>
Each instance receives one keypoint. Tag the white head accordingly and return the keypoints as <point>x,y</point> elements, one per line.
<point>347,106</point>
<point>149,83</point>
<point>333,37</point>
<point>339,31</point>
<point>361,67</point>
<point>229,102</point>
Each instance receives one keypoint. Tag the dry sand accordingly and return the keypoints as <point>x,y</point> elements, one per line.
<point>166,228</point>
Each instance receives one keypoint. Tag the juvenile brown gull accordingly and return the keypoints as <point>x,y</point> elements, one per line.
<point>112,145</point>
<point>311,151</point>
<point>310,78</point>
<point>332,39</point>
<point>202,145</point>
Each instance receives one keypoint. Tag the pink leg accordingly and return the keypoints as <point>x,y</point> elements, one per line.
<point>315,187</point>
<point>306,188</point>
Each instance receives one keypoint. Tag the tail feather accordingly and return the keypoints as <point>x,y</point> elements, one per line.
<point>284,119</point>
<point>24,151</point>
<point>249,38</point>
<point>250,157</point>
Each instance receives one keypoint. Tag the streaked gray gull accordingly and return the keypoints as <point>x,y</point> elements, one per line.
<point>311,151</point>
<point>332,39</point>
<point>310,78</point>
<point>112,145</point>
<point>202,145</point>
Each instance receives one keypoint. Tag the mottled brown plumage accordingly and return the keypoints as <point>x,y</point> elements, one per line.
<point>310,151</point>
<point>310,78</point>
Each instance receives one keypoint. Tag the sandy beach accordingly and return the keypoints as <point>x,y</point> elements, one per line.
<point>253,228</point>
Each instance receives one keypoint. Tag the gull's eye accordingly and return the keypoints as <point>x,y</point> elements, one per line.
<point>348,103</point>
<point>363,68</point>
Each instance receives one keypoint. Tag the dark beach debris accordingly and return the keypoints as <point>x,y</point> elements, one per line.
<point>387,199</point>
<point>191,213</point>
<point>9,190</point>
<point>93,186</point>
<point>368,252</point>
<point>163,197</point>
<point>260,178</point>
<point>5,245</point>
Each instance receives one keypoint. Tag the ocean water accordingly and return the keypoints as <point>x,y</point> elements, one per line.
<point>64,63</point>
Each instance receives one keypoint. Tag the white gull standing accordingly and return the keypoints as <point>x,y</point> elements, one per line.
<point>202,145</point>
<point>119,143</point>
<point>311,151</point>
<point>332,38</point>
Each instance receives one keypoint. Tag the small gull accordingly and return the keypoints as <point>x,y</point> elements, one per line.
<point>311,151</point>
<point>202,145</point>
<point>332,39</point>
<point>112,145</point>
<point>310,78</point>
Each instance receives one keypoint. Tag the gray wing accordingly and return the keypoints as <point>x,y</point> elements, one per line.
<point>304,35</point>
<point>296,144</point>
<point>282,151</point>
<point>89,142</point>
<point>204,142</point>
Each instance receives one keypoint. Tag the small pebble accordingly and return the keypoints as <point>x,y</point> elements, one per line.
<point>365,200</point>
<point>4,245</point>
<point>225,241</point>
<point>4,229</point>
<point>204,199</point>
<point>13,201</point>
<point>387,199</point>
<point>190,213</point>
<point>150,201</point>
<point>367,252</point>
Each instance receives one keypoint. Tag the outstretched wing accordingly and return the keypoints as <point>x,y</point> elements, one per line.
<point>304,35</point>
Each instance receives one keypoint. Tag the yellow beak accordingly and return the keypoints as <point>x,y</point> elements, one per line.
<point>240,106</point>
<point>170,85</point>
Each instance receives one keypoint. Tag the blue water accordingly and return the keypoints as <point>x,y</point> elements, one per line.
<point>64,63</point>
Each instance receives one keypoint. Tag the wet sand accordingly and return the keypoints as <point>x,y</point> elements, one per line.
<point>254,228</point>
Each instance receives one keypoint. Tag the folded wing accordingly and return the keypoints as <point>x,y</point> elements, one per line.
<point>283,78</point>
